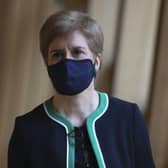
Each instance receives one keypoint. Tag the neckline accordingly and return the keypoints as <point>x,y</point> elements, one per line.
<point>80,127</point>
<point>90,125</point>
<point>53,114</point>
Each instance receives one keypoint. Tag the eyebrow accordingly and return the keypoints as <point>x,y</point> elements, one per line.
<point>60,50</point>
<point>56,50</point>
<point>78,47</point>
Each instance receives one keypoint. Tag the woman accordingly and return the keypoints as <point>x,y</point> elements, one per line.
<point>78,127</point>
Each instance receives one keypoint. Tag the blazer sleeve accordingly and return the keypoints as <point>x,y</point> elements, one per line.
<point>143,153</point>
<point>16,148</point>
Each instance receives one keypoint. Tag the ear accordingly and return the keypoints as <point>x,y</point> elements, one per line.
<point>98,62</point>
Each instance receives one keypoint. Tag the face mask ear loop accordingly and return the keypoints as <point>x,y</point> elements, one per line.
<point>94,70</point>
<point>94,64</point>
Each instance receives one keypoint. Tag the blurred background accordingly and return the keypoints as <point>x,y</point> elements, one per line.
<point>135,60</point>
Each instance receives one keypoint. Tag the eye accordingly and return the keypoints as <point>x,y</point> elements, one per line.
<point>57,54</point>
<point>77,52</point>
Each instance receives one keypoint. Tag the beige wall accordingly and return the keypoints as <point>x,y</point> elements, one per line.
<point>130,30</point>
<point>136,51</point>
<point>24,82</point>
<point>106,13</point>
<point>133,25</point>
<point>159,96</point>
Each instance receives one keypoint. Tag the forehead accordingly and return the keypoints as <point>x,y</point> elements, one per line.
<point>72,39</point>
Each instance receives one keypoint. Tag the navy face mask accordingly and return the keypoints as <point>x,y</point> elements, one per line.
<point>70,77</point>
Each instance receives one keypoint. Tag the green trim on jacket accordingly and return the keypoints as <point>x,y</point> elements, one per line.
<point>90,122</point>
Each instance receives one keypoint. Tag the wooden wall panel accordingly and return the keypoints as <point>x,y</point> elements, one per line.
<point>136,51</point>
<point>24,81</point>
<point>159,97</point>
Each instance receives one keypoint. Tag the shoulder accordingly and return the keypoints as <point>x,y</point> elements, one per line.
<point>122,110</point>
<point>123,114</point>
<point>33,119</point>
<point>120,105</point>
<point>32,124</point>
<point>35,113</point>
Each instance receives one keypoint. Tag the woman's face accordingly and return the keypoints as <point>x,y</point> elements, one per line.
<point>73,46</point>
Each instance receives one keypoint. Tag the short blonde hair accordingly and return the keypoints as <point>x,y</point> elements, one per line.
<point>64,22</point>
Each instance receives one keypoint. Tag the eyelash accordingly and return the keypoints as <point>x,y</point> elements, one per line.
<point>77,52</point>
<point>59,54</point>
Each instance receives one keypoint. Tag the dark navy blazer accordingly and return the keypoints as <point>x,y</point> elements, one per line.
<point>116,130</point>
